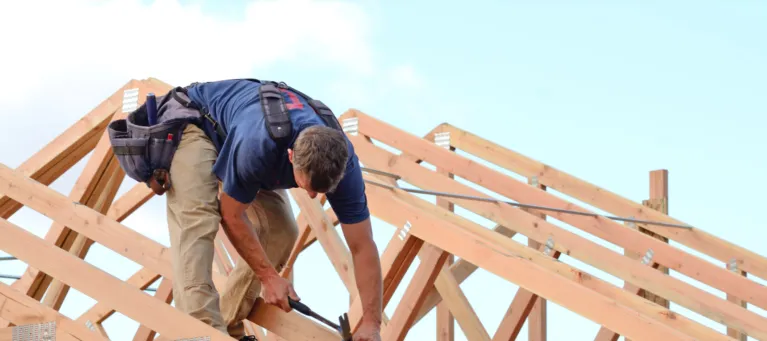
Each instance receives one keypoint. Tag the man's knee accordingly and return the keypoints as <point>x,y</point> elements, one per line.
<point>278,226</point>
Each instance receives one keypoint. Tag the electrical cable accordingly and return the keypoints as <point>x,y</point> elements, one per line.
<point>537,207</point>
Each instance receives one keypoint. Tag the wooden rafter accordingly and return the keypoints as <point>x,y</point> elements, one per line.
<point>427,234</point>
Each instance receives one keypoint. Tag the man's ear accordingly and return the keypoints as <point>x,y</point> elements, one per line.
<point>290,155</point>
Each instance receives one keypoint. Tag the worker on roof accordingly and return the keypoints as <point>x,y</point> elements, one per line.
<point>233,169</point>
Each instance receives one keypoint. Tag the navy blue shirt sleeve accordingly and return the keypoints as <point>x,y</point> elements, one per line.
<point>349,201</point>
<point>239,165</point>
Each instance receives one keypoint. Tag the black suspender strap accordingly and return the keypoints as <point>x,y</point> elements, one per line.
<point>320,108</point>
<point>187,102</point>
<point>275,113</point>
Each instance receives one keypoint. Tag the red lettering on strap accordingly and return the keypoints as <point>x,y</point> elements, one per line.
<point>295,103</point>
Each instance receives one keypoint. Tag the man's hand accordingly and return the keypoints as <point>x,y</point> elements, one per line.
<point>367,332</point>
<point>276,291</point>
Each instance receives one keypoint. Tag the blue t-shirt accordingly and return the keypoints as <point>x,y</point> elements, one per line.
<point>249,160</point>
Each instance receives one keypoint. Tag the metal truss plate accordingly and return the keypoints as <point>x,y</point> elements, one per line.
<point>442,139</point>
<point>201,338</point>
<point>130,100</point>
<point>35,332</point>
<point>351,126</point>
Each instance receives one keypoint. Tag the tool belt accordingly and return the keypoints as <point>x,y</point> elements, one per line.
<point>145,152</point>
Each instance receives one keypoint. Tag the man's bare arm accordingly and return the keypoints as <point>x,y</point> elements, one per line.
<point>245,240</point>
<point>367,270</point>
<point>243,237</point>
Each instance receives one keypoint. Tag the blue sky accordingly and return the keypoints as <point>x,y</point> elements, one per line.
<point>606,91</point>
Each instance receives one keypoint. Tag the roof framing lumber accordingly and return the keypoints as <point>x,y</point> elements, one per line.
<point>67,149</point>
<point>93,282</point>
<point>103,230</point>
<point>402,201</point>
<point>20,309</point>
<point>601,227</point>
<point>499,256</point>
<point>425,233</point>
<point>604,199</point>
<point>567,242</point>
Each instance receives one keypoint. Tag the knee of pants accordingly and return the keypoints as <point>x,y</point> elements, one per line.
<point>277,223</point>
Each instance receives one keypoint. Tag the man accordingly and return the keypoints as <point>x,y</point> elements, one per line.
<point>254,170</point>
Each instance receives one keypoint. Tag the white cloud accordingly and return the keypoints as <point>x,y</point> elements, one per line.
<point>406,76</point>
<point>47,42</point>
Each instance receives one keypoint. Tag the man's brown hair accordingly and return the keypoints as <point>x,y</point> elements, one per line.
<point>321,153</point>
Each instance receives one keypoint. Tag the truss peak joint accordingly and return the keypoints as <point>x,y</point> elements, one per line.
<point>351,126</point>
<point>130,100</point>
<point>45,331</point>
<point>442,139</point>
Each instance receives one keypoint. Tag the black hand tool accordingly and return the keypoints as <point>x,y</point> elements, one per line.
<point>344,329</point>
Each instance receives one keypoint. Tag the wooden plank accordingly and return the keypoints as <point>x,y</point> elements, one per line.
<point>329,238</point>
<point>468,320</point>
<point>523,307</point>
<point>580,292</point>
<point>290,326</point>
<point>456,302</point>
<point>737,334</point>
<point>396,259</point>
<point>445,319</point>
<point>536,328</point>
<point>102,286</point>
<point>432,260</point>
<point>96,188</point>
<point>604,199</point>
<point>569,243</point>
<point>94,225</point>
<point>658,201</point>
<point>100,311</point>
<point>127,204</point>
<point>164,293</point>
<point>604,228</point>
<point>68,148</point>
<point>100,200</point>
<point>101,172</point>
<point>461,270</point>
<point>20,309</point>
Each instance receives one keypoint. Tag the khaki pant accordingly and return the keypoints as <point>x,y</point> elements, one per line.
<point>193,222</point>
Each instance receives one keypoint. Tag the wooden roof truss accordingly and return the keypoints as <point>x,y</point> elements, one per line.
<point>426,233</point>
